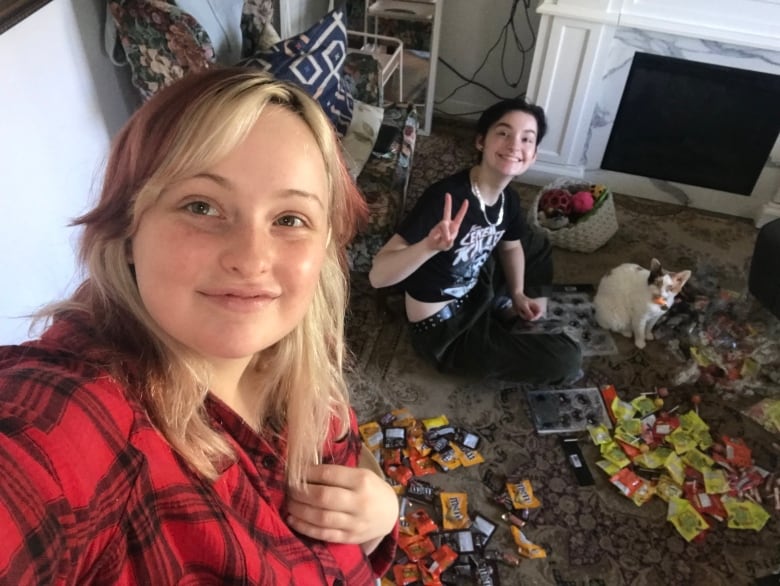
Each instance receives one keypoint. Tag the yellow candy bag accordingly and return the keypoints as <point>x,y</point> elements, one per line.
<point>681,440</point>
<point>455,510</point>
<point>599,434</point>
<point>686,519</point>
<point>715,481</point>
<point>612,452</point>
<point>666,488</point>
<point>522,495</point>
<point>745,514</point>
<point>524,547</point>
<point>372,435</point>
<point>698,460</point>
<point>676,467</point>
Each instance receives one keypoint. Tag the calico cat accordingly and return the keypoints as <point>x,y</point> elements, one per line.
<point>630,299</point>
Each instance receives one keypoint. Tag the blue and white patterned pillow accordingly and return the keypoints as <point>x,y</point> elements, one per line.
<point>313,60</point>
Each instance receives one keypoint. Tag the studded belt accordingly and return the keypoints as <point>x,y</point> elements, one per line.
<point>439,317</point>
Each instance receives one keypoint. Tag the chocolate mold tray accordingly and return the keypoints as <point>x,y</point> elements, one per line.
<point>566,410</point>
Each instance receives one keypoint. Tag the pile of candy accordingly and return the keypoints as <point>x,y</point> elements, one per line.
<point>563,206</point>
<point>406,447</point>
<point>656,452</point>
<point>710,329</point>
<point>442,539</point>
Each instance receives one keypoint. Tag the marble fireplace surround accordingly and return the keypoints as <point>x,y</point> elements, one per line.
<point>580,66</point>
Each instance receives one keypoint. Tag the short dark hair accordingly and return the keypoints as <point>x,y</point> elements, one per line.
<point>495,112</point>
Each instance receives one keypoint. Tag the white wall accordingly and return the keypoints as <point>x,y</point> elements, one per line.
<point>296,16</point>
<point>468,29</point>
<point>61,102</point>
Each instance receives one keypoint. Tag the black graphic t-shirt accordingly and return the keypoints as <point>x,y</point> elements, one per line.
<point>451,274</point>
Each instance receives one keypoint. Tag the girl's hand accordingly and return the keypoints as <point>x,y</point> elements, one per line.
<point>527,308</point>
<point>342,504</point>
<point>442,235</point>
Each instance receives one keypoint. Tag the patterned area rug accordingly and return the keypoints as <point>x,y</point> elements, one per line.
<point>592,534</point>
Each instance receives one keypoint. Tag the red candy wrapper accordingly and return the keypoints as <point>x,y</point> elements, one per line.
<point>441,559</point>
<point>422,522</point>
<point>737,452</point>
<point>416,547</point>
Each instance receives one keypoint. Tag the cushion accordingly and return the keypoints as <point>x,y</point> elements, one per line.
<point>221,19</point>
<point>359,140</point>
<point>313,60</point>
<point>161,42</point>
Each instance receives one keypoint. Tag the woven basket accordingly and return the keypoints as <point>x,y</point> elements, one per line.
<point>589,232</point>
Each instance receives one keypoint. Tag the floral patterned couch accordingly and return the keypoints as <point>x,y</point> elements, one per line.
<point>161,42</point>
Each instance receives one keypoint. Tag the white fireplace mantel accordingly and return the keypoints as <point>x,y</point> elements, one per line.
<point>581,62</point>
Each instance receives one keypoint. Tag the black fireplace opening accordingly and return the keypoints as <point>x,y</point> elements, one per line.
<point>694,123</point>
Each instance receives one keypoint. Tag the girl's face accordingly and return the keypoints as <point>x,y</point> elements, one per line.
<point>228,260</point>
<point>509,147</point>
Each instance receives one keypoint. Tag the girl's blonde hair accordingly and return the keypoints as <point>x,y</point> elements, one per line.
<point>180,131</point>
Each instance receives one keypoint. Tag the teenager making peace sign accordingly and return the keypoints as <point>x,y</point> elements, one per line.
<point>462,274</point>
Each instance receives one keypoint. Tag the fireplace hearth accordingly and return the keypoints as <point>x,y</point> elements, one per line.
<point>589,51</point>
<point>694,123</point>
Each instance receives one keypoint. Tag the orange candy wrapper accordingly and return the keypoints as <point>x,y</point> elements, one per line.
<point>416,547</point>
<point>422,465</point>
<point>448,460</point>
<point>422,522</point>
<point>632,485</point>
<point>442,559</point>
<point>524,547</point>
<point>372,435</point>
<point>522,495</point>
<point>469,457</point>
<point>737,452</point>
<point>400,474</point>
<point>455,510</point>
<point>406,574</point>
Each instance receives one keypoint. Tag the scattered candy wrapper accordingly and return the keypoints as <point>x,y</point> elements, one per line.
<point>522,495</point>
<point>440,540</point>
<point>686,519</point>
<point>745,514</point>
<point>701,479</point>
<point>720,339</point>
<point>454,507</point>
<point>767,413</point>
<point>525,547</point>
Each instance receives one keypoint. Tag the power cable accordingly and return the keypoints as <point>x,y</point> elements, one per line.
<point>503,39</point>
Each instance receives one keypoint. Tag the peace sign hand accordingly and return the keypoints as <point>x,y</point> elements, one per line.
<point>442,235</point>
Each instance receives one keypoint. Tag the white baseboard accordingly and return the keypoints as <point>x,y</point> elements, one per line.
<point>768,212</point>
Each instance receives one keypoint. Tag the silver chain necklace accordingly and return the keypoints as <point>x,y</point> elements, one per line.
<point>482,206</point>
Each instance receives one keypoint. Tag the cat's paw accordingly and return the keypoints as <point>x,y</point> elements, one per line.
<point>640,343</point>
<point>649,336</point>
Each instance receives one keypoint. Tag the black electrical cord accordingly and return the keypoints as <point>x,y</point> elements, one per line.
<point>503,40</point>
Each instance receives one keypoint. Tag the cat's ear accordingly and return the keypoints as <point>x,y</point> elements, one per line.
<point>655,271</point>
<point>681,278</point>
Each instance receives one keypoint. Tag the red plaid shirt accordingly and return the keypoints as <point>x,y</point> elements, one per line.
<point>91,493</point>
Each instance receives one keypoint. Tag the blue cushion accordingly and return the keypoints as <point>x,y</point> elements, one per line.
<point>313,60</point>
